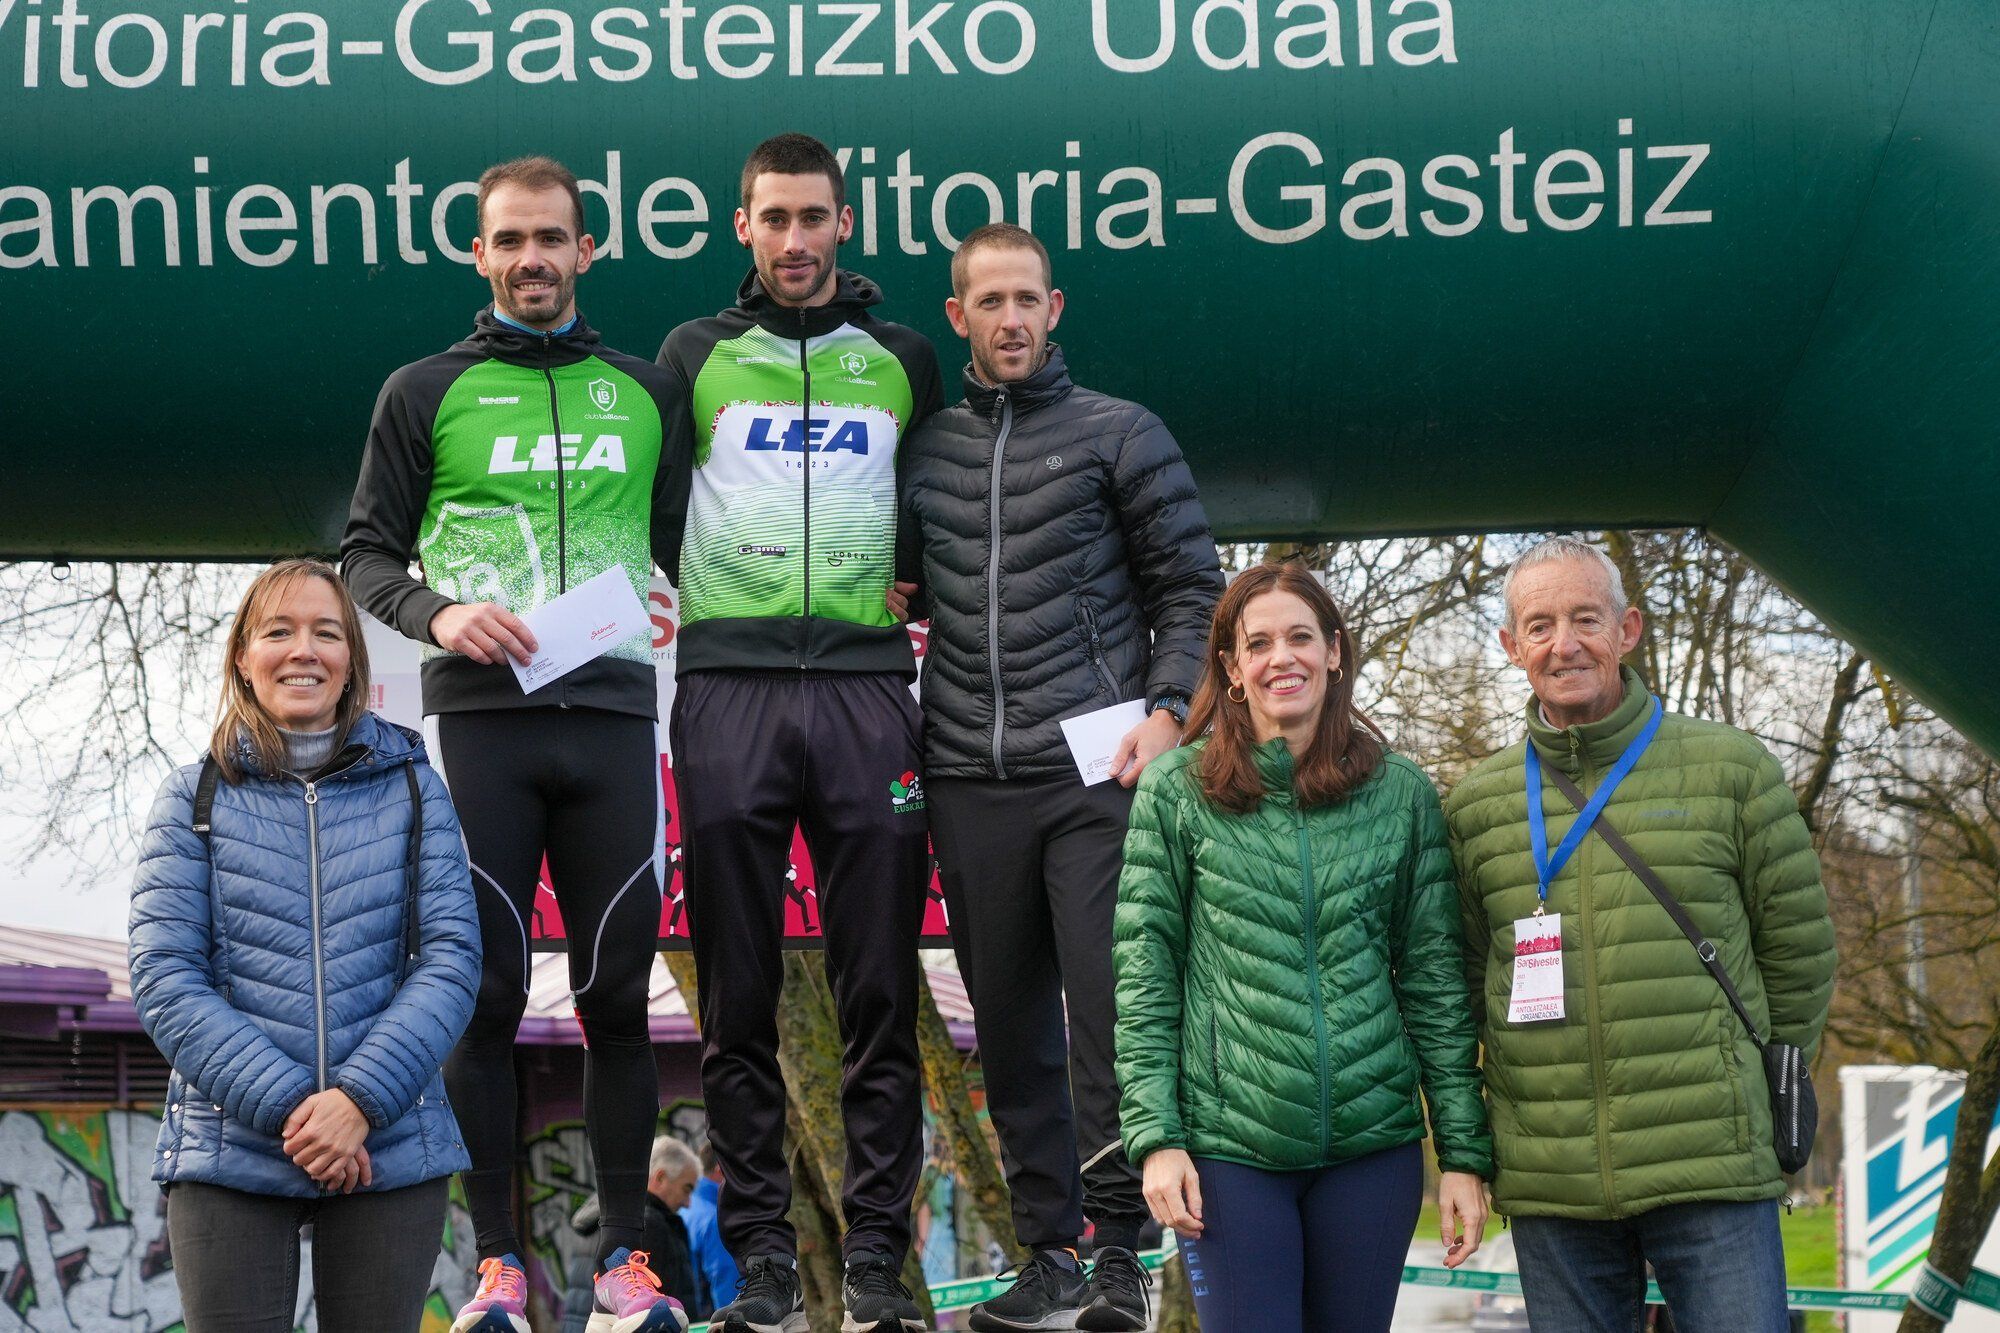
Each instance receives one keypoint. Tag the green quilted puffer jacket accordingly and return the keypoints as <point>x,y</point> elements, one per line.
<point>1648,1091</point>
<point>1289,992</point>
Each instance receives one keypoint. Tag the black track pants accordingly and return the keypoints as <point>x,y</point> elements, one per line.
<point>584,786</point>
<point>754,754</point>
<point>1030,873</point>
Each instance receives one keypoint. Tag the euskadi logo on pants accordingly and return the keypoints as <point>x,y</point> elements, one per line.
<point>906,794</point>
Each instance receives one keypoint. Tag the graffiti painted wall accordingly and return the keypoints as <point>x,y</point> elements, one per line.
<point>82,1225</point>
<point>83,1245</point>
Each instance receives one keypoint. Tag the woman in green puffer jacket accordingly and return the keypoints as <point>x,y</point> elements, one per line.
<point>1289,987</point>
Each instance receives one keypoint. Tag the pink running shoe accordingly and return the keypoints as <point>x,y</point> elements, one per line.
<point>501,1303</point>
<point>629,1299</point>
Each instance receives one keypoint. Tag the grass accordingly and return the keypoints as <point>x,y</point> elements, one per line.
<point>1812,1248</point>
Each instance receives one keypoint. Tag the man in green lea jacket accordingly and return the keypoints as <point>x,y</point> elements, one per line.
<point>1631,1120</point>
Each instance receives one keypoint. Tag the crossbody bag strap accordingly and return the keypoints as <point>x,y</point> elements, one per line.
<point>1703,947</point>
<point>202,821</point>
<point>412,867</point>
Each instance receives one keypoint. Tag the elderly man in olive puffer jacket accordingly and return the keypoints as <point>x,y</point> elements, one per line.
<point>1635,1127</point>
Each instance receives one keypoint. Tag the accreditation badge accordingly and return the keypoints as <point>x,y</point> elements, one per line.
<point>1538,970</point>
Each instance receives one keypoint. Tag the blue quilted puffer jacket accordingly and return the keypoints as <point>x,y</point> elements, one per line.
<point>268,963</point>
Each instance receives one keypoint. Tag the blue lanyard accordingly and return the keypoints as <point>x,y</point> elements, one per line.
<point>1547,867</point>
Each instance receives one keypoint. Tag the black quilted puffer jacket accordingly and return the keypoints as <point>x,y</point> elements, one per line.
<point>1063,526</point>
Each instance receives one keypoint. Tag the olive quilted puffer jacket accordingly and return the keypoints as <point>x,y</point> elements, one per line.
<point>1289,992</point>
<point>1649,1091</point>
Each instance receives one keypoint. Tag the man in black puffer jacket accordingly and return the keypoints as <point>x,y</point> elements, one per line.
<point>1068,567</point>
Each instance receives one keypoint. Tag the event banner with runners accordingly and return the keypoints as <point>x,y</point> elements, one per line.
<point>397,697</point>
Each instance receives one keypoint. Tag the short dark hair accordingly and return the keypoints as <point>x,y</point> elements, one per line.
<point>997,236</point>
<point>794,155</point>
<point>530,173</point>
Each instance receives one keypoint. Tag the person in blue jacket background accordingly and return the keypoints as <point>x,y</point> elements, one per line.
<point>716,1276</point>
<point>304,953</point>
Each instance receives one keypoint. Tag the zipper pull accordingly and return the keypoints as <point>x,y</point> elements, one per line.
<point>312,794</point>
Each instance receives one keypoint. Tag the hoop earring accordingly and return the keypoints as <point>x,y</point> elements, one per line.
<point>1338,675</point>
<point>1236,694</point>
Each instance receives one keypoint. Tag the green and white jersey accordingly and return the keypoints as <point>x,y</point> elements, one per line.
<point>515,467</point>
<point>519,512</point>
<point>792,523</point>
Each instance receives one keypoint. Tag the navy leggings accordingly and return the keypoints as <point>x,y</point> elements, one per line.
<point>1320,1250</point>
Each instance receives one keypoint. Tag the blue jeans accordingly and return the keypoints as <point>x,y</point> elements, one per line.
<point>1721,1267</point>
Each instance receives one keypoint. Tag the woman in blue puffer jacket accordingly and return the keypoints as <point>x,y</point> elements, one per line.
<point>304,953</point>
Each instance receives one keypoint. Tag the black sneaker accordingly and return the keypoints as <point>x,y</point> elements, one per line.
<point>769,1301</point>
<point>1118,1301</point>
<point>1047,1294</point>
<point>875,1300</point>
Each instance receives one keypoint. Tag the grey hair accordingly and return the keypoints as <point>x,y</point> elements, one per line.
<point>673,1157</point>
<point>1565,548</point>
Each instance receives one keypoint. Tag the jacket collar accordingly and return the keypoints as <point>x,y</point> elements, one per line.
<point>1276,767</point>
<point>1599,743</point>
<point>371,745</point>
<point>852,294</point>
<point>1048,385</point>
<point>501,341</point>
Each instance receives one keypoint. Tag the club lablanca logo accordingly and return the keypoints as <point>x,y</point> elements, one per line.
<point>906,793</point>
<point>604,394</point>
<point>854,363</point>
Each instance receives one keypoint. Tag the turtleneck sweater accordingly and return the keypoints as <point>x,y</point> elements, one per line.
<point>305,751</point>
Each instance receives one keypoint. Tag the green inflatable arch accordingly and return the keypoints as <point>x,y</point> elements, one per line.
<point>1385,266</point>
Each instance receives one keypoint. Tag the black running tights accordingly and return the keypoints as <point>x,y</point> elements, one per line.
<point>582,786</point>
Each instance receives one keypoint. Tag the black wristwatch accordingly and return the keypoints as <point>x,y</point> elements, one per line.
<point>1172,703</point>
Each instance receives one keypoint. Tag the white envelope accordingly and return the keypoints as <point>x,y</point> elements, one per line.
<point>581,626</point>
<point>1093,738</point>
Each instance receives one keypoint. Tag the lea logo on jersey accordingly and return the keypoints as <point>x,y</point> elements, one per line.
<point>606,453</point>
<point>789,435</point>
